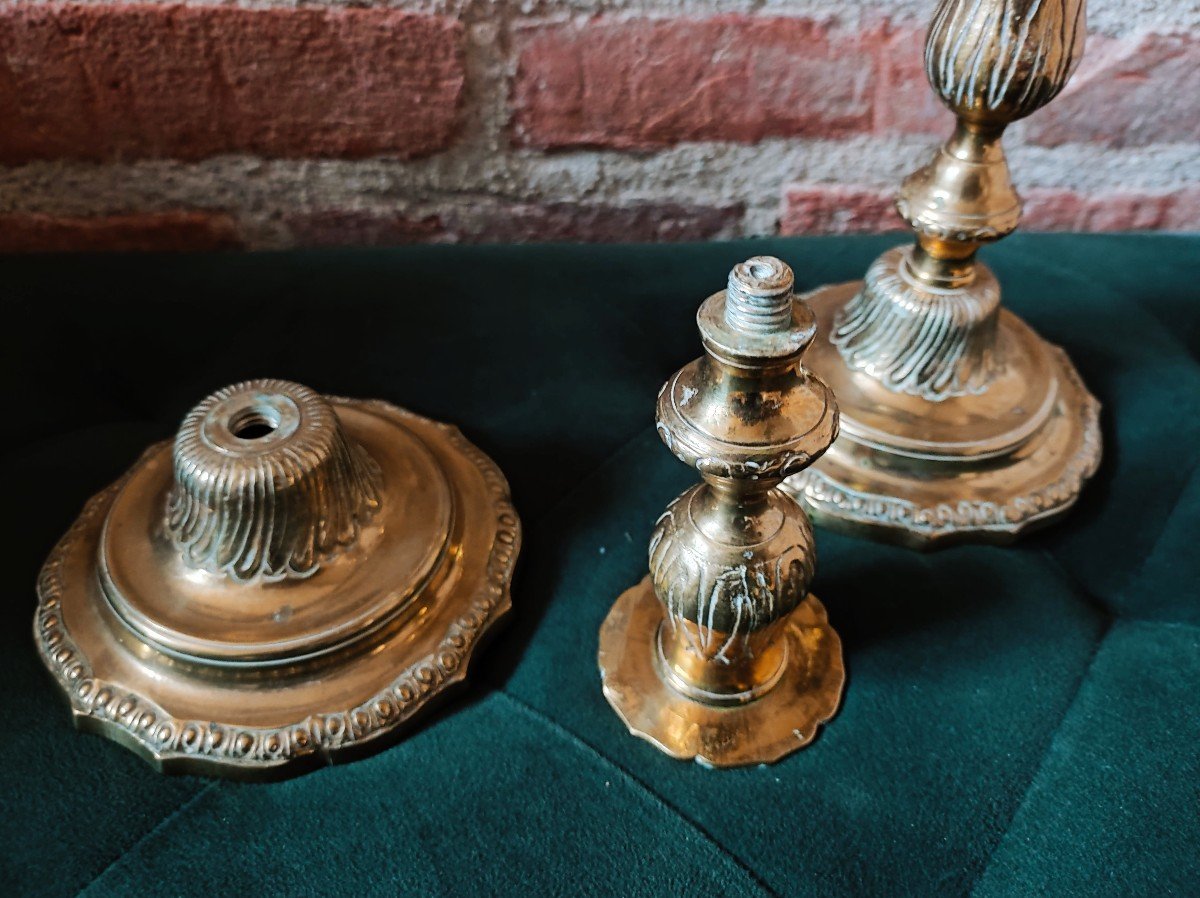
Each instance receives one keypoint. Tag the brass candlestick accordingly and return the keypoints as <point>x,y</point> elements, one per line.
<point>721,654</point>
<point>958,421</point>
<point>290,583</point>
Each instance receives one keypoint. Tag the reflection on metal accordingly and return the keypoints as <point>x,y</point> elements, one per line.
<point>285,586</point>
<point>958,421</point>
<point>721,654</point>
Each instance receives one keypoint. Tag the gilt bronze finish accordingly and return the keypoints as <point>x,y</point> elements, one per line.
<point>721,654</point>
<point>285,585</point>
<point>958,421</point>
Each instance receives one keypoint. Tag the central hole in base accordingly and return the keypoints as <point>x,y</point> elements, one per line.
<point>254,423</point>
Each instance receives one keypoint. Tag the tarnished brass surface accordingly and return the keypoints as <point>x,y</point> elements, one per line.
<point>287,584</point>
<point>721,655</point>
<point>803,694</point>
<point>958,422</point>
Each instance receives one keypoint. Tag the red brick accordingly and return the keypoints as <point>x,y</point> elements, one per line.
<point>361,228</point>
<point>148,80</point>
<point>1048,209</point>
<point>837,209</point>
<point>1185,211</point>
<point>137,232</point>
<point>598,223</point>
<point>1127,93</point>
<point>647,83</point>
<point>904,101</point>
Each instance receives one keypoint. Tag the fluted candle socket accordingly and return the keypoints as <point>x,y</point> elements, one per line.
<point>721,654</point>
<point>266,483</point>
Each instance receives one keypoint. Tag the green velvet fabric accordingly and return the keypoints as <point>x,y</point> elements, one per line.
<point>1017,721</point>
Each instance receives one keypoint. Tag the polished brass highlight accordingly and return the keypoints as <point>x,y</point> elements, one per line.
<point>958,421</point>
<point>286,585</point>
<point>721,654</point>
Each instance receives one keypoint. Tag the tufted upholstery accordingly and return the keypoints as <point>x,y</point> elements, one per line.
<point>1017,721</point>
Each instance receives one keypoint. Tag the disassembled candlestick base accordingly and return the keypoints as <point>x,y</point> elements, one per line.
<point>721,654</point>
<point>287,585</point>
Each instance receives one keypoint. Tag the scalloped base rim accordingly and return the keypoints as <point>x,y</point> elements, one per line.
<point>779,722</point>
<point>1002,520</point>
<point>904,523</point>
<point>109,707</point>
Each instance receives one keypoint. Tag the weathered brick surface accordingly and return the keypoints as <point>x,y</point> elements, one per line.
<point>655,82</point>
<point>837,209</point>
<point>515,222</point>
<point>1128,93</point>
<point>595,223</point>
<point>904,102</point>
<point>1116,210</point>
<point>336,227</point>
<point>132,81</point>
<point>378,122</point>
<point>140,232</point>
<point>1184,214</point>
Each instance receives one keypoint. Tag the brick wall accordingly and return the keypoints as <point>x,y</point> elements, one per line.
<point>265,124</point>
